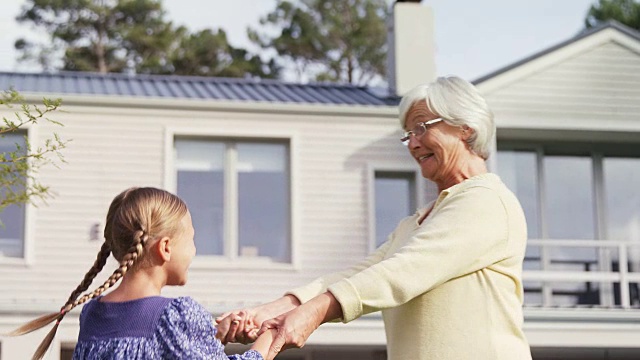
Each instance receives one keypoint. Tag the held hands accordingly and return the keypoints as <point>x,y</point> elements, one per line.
<point>291,326</point>
<point>240,326</point>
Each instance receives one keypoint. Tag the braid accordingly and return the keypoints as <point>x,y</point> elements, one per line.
<point>101,260</point>
<point>133,254</point>
<point>153,212</point>
<point>44,320</point>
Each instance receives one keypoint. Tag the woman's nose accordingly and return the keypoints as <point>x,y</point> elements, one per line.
<point>414,142</point>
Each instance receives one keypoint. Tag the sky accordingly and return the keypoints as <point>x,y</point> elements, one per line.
<point>473,38</point>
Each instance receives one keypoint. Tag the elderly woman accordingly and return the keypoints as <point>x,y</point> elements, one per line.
<point>448,280</point>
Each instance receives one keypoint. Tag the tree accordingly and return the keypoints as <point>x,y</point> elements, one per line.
<point>130,36</point>
<point>626,12</point>
<point>99,35</point>
<point>18,168</point>
<point>340,41</point>
<point>208,53</point>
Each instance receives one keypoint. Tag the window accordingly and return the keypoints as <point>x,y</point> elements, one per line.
<point>518,171</point>
<point>395,199</point>
<point>12,231</point>
<point>622,199</point>
<point>575,192</point>
<point>66,351</point>
<point>396,194</point>
<point>239,196</point>
<point>621,176</point>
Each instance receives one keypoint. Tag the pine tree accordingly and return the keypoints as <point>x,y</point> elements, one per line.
<point>626,12</point>
<point>339,41</point>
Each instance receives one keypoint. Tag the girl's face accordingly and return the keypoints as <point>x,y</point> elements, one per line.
<point>184,249</point>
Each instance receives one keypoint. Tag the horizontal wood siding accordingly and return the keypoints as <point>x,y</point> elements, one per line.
<point>589,90</point>
<point>113,149</point>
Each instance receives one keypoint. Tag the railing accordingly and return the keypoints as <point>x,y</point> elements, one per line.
<point>604,273</point>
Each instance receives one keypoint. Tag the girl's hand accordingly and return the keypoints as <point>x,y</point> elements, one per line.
<point>263,343</point>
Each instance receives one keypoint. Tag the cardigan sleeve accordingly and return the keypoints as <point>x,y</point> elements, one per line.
<point>319,285</point>
<point>466,233</point>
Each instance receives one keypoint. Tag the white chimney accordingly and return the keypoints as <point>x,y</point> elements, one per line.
<point>411,57</point>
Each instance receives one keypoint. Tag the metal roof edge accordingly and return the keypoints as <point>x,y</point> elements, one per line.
<point>382,111</point>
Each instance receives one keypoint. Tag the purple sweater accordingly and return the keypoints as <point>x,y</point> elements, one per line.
<point>150,328</point>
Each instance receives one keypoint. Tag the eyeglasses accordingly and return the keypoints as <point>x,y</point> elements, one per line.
<point>418,130</point>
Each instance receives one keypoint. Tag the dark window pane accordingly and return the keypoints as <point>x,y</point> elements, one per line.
<point>517,169</point>
<point>394,200</point>
<point>570,214</point>
<point>569,203</point>
<point>13,216</point>
<point>621,179</point>
<point>200,183</point>
<point>264,201</point>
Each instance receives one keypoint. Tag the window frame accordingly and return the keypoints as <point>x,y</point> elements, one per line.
<point>27,258</point>
<point>228,260</point>
<point>597,152</point>
<point>421,188</point>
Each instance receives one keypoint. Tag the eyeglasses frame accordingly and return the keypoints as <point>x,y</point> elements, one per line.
<point>407,135</point>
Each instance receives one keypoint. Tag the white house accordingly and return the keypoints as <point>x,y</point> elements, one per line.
<point>568,133</point>
<point>287,182</point>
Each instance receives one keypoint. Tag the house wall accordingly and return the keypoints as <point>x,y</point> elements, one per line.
<point>121,143</point>
<point>595,89</point>
<point>586,92</point>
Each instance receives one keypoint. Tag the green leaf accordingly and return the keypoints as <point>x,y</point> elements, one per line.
<point>18,167</point>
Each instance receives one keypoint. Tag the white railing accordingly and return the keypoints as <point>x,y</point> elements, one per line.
<point>603,275</point>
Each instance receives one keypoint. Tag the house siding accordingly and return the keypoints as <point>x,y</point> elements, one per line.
<point>596,89</point>
<point>585,90</point>
<point>115,149</point>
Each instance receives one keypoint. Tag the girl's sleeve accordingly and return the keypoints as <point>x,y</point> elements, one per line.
<point>186,331</point>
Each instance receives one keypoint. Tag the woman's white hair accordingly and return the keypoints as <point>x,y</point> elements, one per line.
<point>458,103</point>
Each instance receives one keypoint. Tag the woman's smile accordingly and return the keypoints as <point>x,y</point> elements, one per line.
<point>423,158</point>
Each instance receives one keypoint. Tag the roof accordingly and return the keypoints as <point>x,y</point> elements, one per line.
<point>193,87</point>
<point>611,24</point>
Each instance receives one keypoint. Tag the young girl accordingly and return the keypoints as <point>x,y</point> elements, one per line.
<point>149,232</point>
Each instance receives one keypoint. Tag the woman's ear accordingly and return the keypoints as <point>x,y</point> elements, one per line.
<point>466,132</point>
<point>162,248</point>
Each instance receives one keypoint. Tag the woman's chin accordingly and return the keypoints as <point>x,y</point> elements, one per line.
<point>429,171</point>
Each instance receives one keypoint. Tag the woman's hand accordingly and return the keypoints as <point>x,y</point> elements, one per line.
<point>293,330</point>
<point>242,326</point>
<point>295,327</point>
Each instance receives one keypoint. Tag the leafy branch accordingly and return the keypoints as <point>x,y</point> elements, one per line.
<point>19,167</point>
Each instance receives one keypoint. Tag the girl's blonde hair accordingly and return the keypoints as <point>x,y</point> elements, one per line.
<point>135,216</point>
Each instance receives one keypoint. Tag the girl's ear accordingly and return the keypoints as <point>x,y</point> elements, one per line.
<point>162,248</point>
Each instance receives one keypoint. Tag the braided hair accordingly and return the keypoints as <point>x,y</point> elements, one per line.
<point>135,216</point>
